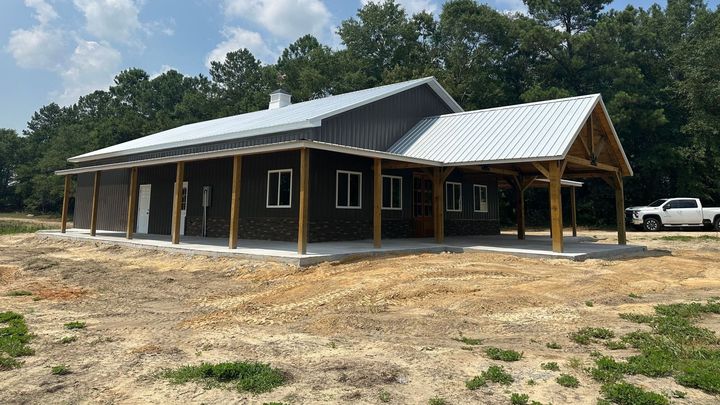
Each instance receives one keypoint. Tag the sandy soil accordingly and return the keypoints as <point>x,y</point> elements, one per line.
<point>342,332</point>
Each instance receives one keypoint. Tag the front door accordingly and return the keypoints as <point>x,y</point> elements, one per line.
<point>183,206</point>
<point>143,213</point>
<point>422,206</point>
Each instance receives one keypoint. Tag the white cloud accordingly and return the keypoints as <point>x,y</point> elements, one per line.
<point>411,6</point>
<point>44,12</point>
<point>37,48</point>
<point>110,20</point>
<point>238,38</point>
<point>91,67</point>
<point>288,19</point>
<point>163,69</point>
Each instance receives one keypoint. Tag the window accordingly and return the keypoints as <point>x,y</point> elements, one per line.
<point>683,204</point>
<point>453,196</point>
<point>279,188</point>
<point>348,189</point>
<point>391,192</point>
<point>480,198</point>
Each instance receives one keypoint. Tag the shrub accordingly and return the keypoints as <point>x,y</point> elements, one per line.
<point>585,336</point>
<point>607,370</point>
<point>504,355</point>
<point>475,383</point>
<point>589,303</point>
<point>566,380</point>
<point>60,370</point>
<point>498,375</point>
<point>519,399</point>
<point>628,394</point>
<point>252,377</point>
<point>552,366</point>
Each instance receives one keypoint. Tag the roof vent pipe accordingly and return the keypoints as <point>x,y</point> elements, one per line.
<point>279,99</point>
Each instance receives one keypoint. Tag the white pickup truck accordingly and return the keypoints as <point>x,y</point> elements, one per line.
<point>673,212</point>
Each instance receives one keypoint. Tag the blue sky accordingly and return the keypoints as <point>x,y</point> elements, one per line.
<point>58,50</point>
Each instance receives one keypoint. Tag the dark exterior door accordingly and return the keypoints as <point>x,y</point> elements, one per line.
<point>422,205</point>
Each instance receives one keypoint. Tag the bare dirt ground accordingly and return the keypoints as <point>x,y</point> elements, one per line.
<point>342,332</point>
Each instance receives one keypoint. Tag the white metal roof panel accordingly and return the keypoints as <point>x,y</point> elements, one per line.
<point>307,114</point>
<point>534,131</point>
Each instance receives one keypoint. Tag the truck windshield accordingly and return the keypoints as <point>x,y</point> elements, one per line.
<point>657,203</point>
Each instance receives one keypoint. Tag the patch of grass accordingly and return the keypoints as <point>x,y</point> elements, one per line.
<point>633,295</point>
<point>553,345</point>
<point>384,396</point>
<point>497,374</point>
<point>588,335</point>
<point>519,399</point>
<point>687,238</point>
<point>628,394</point>
<point>702,374</point>
<point>252,377</point>
<point>475,383</point>
<point>607,370</point>
<point>18,293</point>
<point>552,366</point>
<point>575,363</point>
<point>589,303</point>
<point>14,337</point>
<point>678,394</point>
<point>637,318</point>
<point>468,341</point>
<point>68,339</point>
<point>504,355</point>
<point>437,401</point>
<point>75,325</point>
<point>615,345</point>
<point>568,381</point>
<point>60,370</point>
<point>15,227</point>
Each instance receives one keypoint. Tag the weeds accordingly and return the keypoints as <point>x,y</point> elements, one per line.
<point>589,303</point>
<point>437,401</point>
<point>475,383</point>
<point>253,377</point>
<point>504,355</point>
<point>384,396</point>
<point>498,375</point>
<point>615,345</point>
<point>628,394</point>
<point>633,295</point>
<point>68,339</point>
<point>60,370</point>
<point>14,227</point>
<point>18,293</point>
<point>14,337</point>
<point>687,238</point>
<point>468,341</point>
<point>553,345</point>
<point>566,380</point>
<point>552,366</point>
<point>585,336</point>
<point>519,399</point>
<point>75,325</point>
<point>637,318</point>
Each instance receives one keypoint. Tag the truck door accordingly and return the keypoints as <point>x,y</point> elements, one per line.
<point>689,211</point>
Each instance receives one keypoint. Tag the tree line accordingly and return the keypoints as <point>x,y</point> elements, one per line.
<point>657,70</point>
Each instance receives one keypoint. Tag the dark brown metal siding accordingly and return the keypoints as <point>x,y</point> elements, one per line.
<point>253,194</point>
<point>380,124</point>
<point>323,169</point>
<point>162,179</point>
<point>467,180</point>
<point>113,199</point>
<point>216,173</point>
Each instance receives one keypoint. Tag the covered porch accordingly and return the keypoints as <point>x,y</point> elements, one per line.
<point>576,248</point>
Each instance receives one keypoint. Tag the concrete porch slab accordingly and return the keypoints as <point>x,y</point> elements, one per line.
<point>286,252</point>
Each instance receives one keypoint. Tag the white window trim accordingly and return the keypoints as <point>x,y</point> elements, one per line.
<point>447,208</point>
<point>487,202</point>
<point>391,189</point>
<point>267,195</point>
<point>337,182</point>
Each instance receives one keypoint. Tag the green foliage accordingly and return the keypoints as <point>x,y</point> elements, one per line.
<point>552,366</point>
<point>497,374</point>
<point>14,227</point>
<point>566,380</point>
<point>252,377</point>
<point>18,293</point>
<point>75,325</point>
<point>637,318</point>
<point>469,341</point>
<point>589,303</point>
<point>505,355</point>
<point>633,295</point>
<point>687,238</point>
<point>60,370</point>
<point>628,394</point>
<point>14,337</point>
<point>553,345</point>
<point>384,396</point>
<point>519,399</point>
<point>615,345</point>
<point>68,339</point>
<point>475,383</point>
<point>437,401</point>
<point>587,335</point>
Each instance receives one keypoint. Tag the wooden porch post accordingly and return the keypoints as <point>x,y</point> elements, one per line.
<point>304,200</point>
<point>132,203</point>
<point>95,202</point>
<point>177,202</point>
<point>556,223</point>
<point>377,203</point>
<point>620,209</point>
<point>235,202</point>
<point>520,206</point>
<point>66,201</point>
<point>573,211</point>
<point>438,206</point>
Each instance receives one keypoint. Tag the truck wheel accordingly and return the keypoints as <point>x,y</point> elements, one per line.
<point>652,224</point>
<point>717,224</point>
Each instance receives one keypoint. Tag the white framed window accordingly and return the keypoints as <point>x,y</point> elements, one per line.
<point>391,192</point>
<point>453,196</point>
<point>279,188</point>
<point>480,198</point>
<point>348,189</point>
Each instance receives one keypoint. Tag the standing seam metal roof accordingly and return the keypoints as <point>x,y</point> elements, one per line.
<point>534,131</point>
